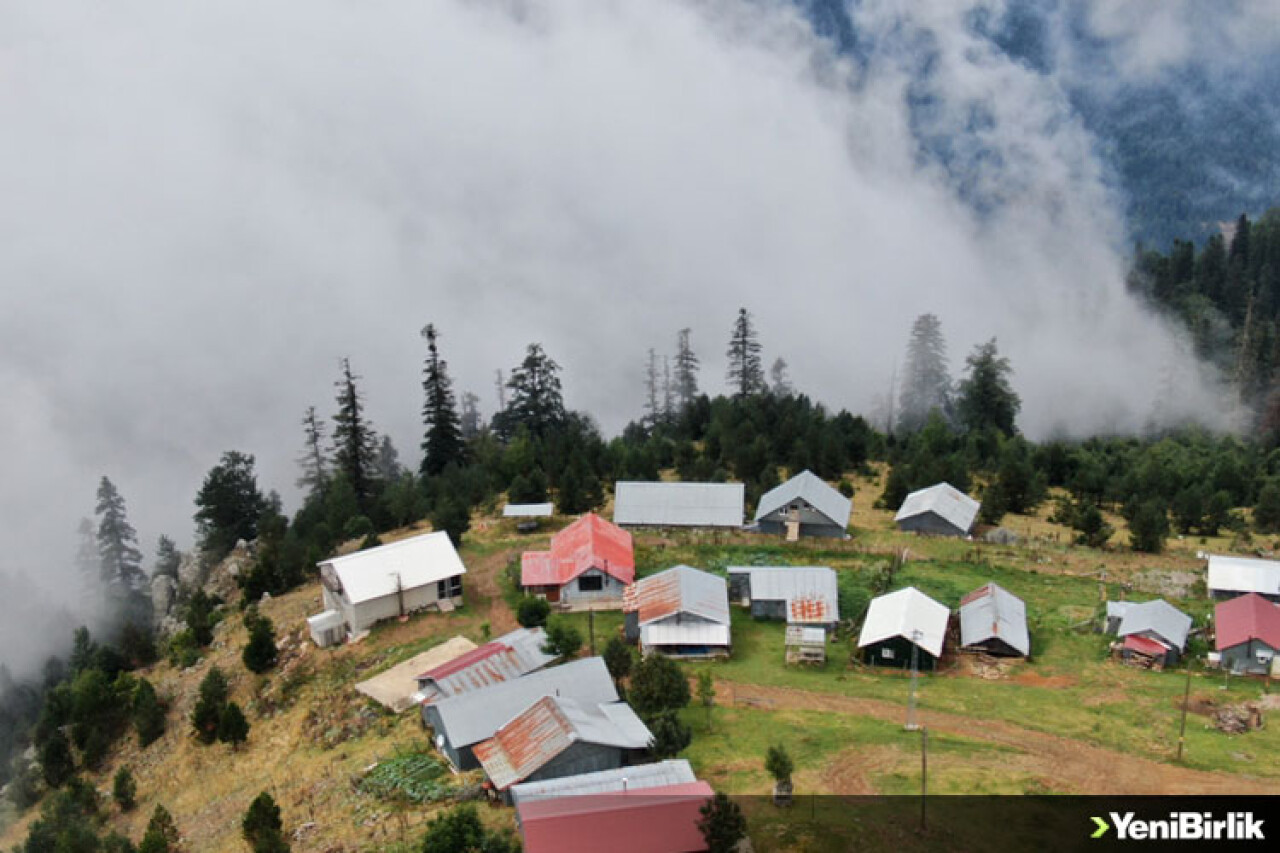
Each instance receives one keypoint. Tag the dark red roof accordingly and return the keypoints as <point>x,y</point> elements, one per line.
<point>465,660</point>
<point>651,820</point>
<point>1248,617</point>
<point>588,543</point>
<point>1146,645</point>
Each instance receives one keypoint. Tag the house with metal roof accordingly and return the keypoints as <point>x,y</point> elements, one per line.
<point>1248,634</point>
<point>557,737</point>
<point>994,620</point>
<point>638,777</point>
<point>590,562</point>
<point>681,612</point>
<point>900,621</point>
<point>940,510</point>
<point>655,820</point>
<point>1232,576</point>
<point>1152,629</point>
<point>803,506</point>
<point>509,656</point>
<point>798,595</point>
<point>392,580</point>
<point>650,504</point>
<point>462,721</point>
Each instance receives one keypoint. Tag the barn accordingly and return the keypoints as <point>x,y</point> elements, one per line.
<point>994,620</point>
<point>940,510</point>
<point>1248,634</point>
<point>509,656</point>
<point>557,737</point>
<point>681,612</point>
<point>392,580</point>
<point>591,562</point>
<point>460,722</point>
<point>798,595</point>
<point>661,820</point>
<point>1151,629</point>
<point>803,506</point>
<point>1229,577</point>
<point>650,504</point>
<point>900,621</point>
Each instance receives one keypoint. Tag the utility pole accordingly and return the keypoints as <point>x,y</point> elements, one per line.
<point>915,675</point>
<point>1186,700</point>
<point>591,628</point>
<point>924,777</point>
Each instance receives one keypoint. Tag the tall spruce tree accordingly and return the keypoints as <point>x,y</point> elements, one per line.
<point>387,465</point>
<point>470,415</point>
<point>167,558</point>
<point>926,382</point>
<point>229,504</point>
<point>746,372</point>
<point>986,399</point>
<point>442,443</point>
<point>686,373</point>
<point>313,461</point>
<point>536,399</point>
<point>355,444</point>
<point>668,393</point>
<point>652,396</point>
<point>120,559</point>
<point>780,384</point>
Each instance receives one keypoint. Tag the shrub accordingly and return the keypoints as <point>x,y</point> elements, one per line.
<point>260,653</point>
<point>532,612</point>
<point>658,685</point>
<point>124,790</point>
<point>262,827</point>
<point>670,735</point>
<point>563,640</point>
<point>207,713</point>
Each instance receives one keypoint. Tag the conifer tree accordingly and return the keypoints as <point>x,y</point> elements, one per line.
<point>652,400</point>
<point>686,373</point>
<point>442,442</point>
<point>355,445</point>
<point>260,653</point>
<point>262,827</point>
<point>746,373</point>
<point>167,558</point>
<point>207,714</point>
<point>780,386</point>
<point>121,561</point>
<point>470,415</point>
<point>233,728</point>
<point>229,504</point>
<point>986,399</point>
<point>313,461</point>
<point>926,383</point>
<point>668,393</point>
<point>162,833</point>
<point>536,400</point>
<point>148,713</point>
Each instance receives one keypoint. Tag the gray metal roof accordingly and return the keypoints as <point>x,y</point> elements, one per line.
<point>943,500</point>
<point>808,487</point>
<point>901,614</point>
<point>992,612</point>
<point>676,771</point>
<point>1243,574</point>
<point>812,593</point>
<point>508,657</point>
<point>679,504</point>
<point>1157,617</point>
<point>527,510</point>
<point>680,589</point>
<point>1117,609</point>
<point>471,717</point>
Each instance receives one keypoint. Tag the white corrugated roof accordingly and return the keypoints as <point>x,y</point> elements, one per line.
<point>1158,617</point>
<point>993,612</point>
<point>527,510</point>
<point>1244,574</point>
<point>814,584</point>
<point>807,486</point>
<point>413,562</point>
<point>471,717</point>
<point>675,771</point>
<point>900,613</point>
<point>679,504</point>
<point>944,500</point>
<point>684,634</point>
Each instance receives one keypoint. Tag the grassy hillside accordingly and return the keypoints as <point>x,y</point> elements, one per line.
<point>1067,721</point>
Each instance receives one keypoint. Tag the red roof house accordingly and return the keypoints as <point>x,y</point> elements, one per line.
<point>651,820</point>
<point>591,560</point>
<point>1248,633</point>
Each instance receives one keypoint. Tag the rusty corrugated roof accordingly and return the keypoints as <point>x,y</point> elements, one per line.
<point>681,589</point>
<point>588,543</point>
<point>505,658</point>
<point>809,610</point>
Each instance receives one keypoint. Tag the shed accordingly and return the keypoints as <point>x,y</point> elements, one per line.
<point>326,628</point>
<point>462,721</point>
<point>1248,634</point>
<point>652,504</point>
<point>557,737</point>
<point>639,777</point>
<point>528,510</point>
<point>681,612</point>
<point>800,595</point>
<point>656,820</point>
<point>1156,621</point>
<point>1232,576</point>
<point>392,580</point>
<point>994,620</point>
<point>803,506</point>
<point>590,562</point>
<point>805,644</point>
<point>510,656</point>
<point>900,620</point>
<point>940,510</point>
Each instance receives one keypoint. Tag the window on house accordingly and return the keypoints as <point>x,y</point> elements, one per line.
<point>449,587</point>
<point>591,583</point>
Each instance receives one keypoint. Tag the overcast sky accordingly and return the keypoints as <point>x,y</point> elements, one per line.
<point>206,206</point>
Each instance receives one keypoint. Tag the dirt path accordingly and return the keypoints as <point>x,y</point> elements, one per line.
<point>1073,766</point>
<point>485,576</point>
